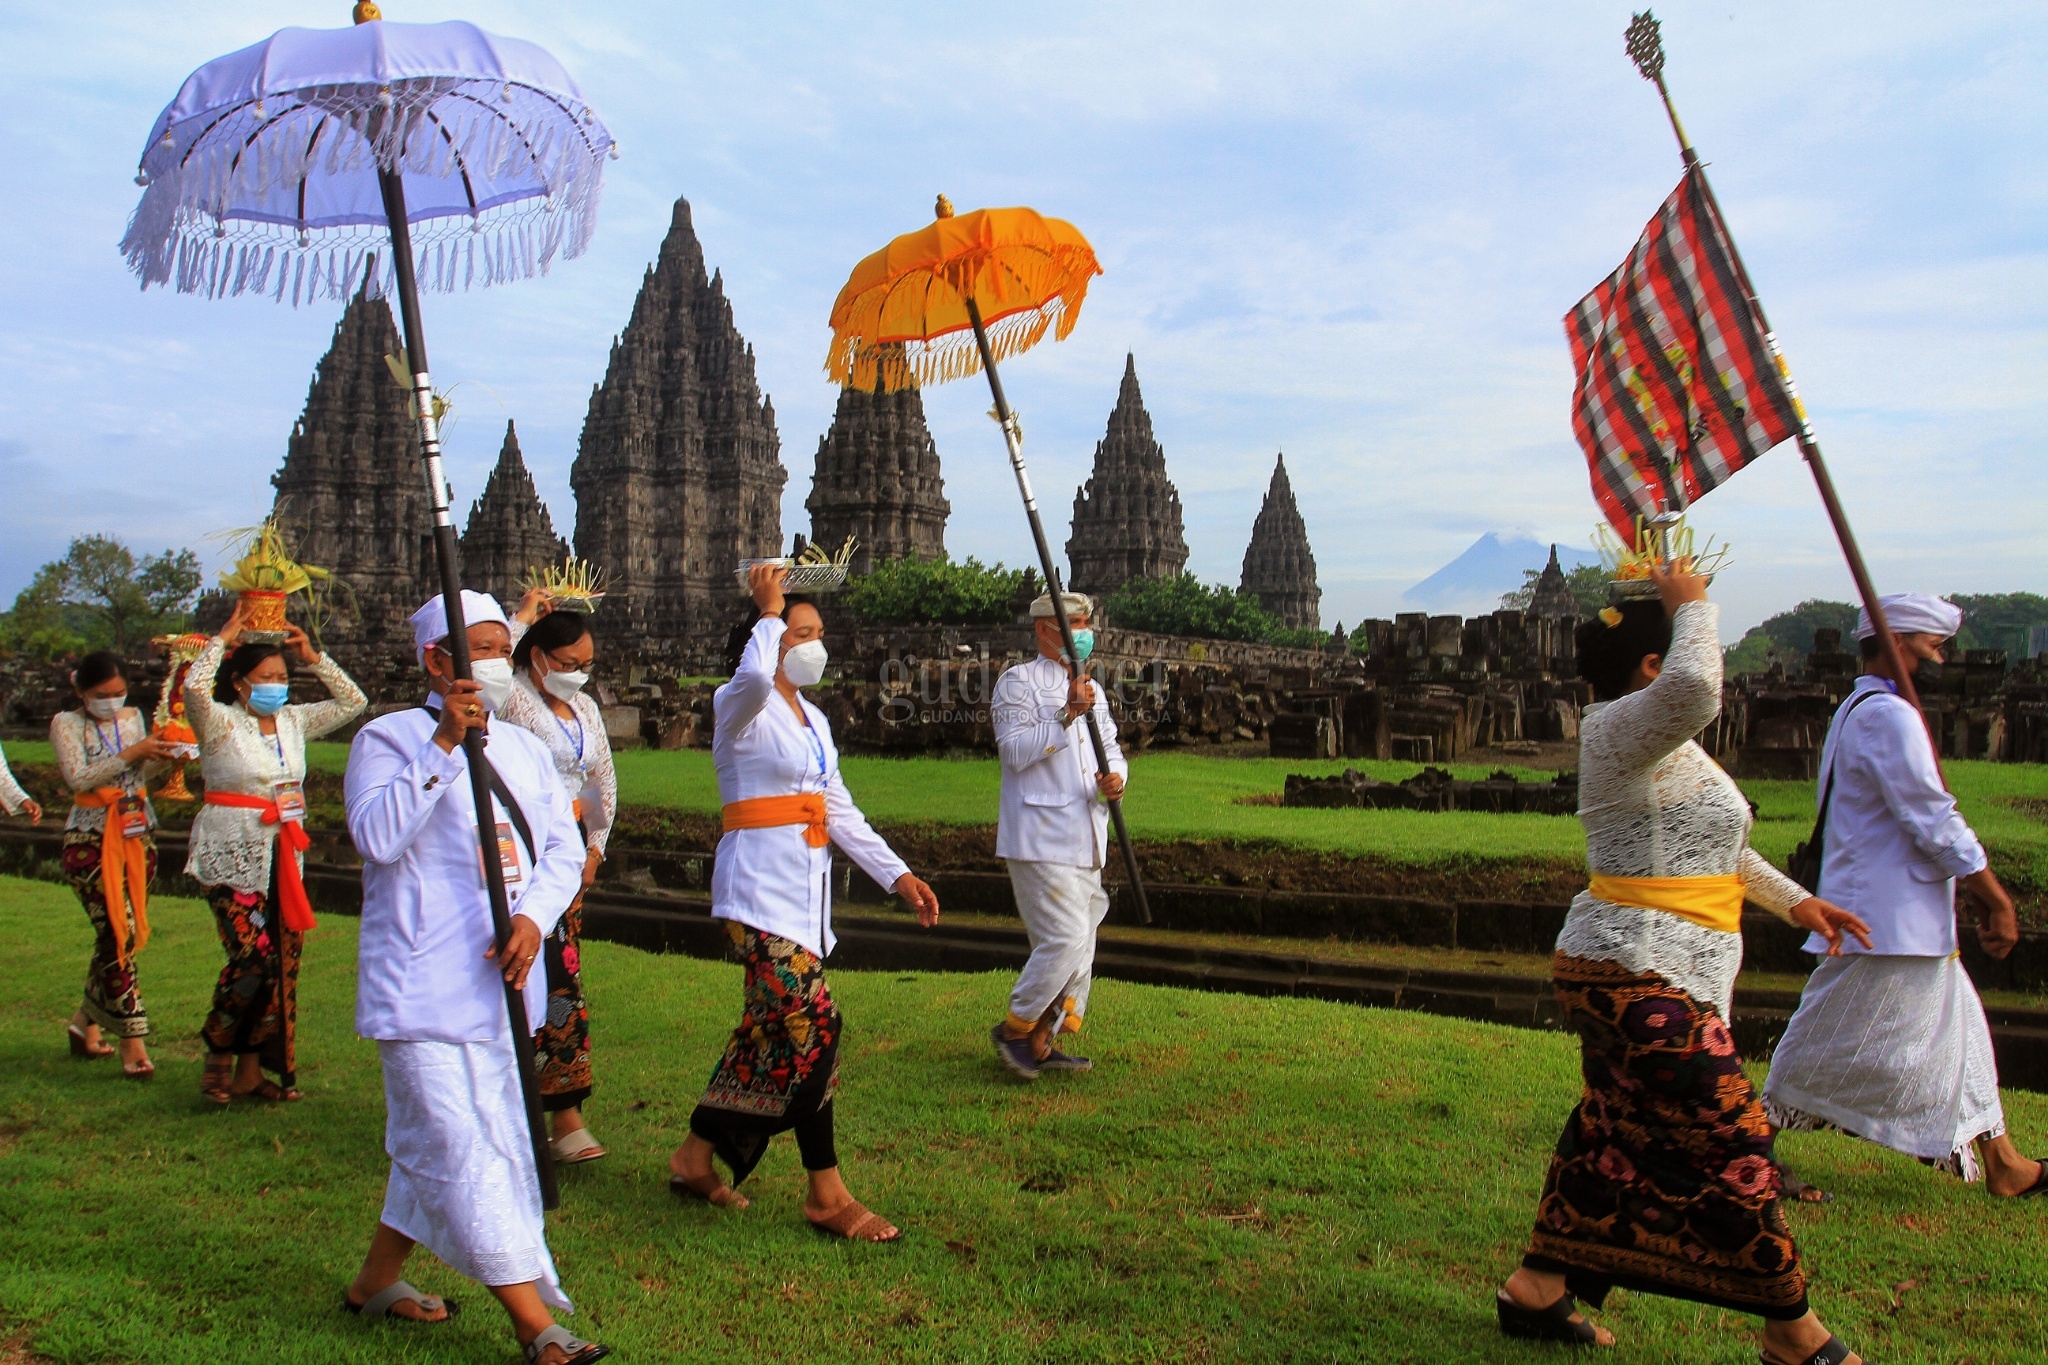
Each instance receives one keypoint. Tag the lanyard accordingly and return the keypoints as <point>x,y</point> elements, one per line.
<point>114,748</point>
<point>817,746</point>
<point>565,734</point>
<point>278,740</point>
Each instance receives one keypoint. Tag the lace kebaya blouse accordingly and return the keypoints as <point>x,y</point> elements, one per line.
<point>1654,805</point>
<point>89,757</point>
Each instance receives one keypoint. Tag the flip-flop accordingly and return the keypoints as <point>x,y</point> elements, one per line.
<point>377,1308</point>
<point>1799,1191</point>
<point>1832,1352</point>
<point>1553,1323</point>
<point>270,1092</point>
<point>2040,1185</point>
<point>853,1222</point>
<point>574,1351</point>
<point>575,1148</point>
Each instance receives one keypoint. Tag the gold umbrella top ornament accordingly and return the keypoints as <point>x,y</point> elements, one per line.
<point>924,308</point>
<point>957,296</point>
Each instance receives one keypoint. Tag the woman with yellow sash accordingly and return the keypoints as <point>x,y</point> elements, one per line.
<point>248,845</point>
<point>1663,1180</point>
<point>784,807</point>
<point>106,755</point>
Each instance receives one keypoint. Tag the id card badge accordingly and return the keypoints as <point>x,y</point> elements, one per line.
<point>291,800</point>
<point>508,854</point>
<point>133,816</point>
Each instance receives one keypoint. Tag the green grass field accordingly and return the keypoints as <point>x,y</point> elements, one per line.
<point>1240,1180</point>
<point>1192,796</point>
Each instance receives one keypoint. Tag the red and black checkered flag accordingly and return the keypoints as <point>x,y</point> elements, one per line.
<point>1675,381</point>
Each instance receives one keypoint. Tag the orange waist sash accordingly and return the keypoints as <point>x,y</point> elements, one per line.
<point>765,812</point>
<point>124,874</point>
<point>292,900</point>
<point>1715,902</point>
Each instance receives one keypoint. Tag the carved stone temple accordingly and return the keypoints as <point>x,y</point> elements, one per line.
<point>877,480</point>
<point>678,475</point>
<point>1127,518</point>
<point>1551,596</point>
<point>1278,566</point>
<point>351,492</point>
<point>509,529</point>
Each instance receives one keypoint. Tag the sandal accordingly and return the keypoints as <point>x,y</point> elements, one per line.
<point>1832,1352</point>
<point>854,1221</point>
<point>575,1147</point>
<point>216,1083</point>
<point>706,1188</point>
<point>84,1050</point>
<point>574,1352</point>
<point>145,1072</point>
<point>270,1092</point>
<point>1543,1324</point>
<point>1798,1191</point>
<point>2040,1185</point>
<point>377,1307</point>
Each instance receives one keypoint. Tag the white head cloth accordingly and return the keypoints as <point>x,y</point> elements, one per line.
<point>430,623</point>
<point>1077,604</point>
<point>1913,613</point>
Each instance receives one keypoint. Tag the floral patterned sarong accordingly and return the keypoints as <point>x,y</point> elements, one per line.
<point>1663,1180</point>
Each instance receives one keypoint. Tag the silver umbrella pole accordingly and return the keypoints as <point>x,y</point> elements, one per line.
<point>1052,583</point>
<point>446,558</point>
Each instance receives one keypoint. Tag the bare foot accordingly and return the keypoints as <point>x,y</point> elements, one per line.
<point>1537,1292</point>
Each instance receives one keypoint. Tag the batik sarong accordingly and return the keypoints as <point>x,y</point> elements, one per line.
<point>781,1066</point>
<point>113,998</point>
<point>562,1046</point>
<point>256,998</point>
<point>1663,1180</point>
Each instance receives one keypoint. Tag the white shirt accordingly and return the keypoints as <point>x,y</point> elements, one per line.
<point>771,878</point>
<point>231,846</point>
<point>1052,811</point>
<point>421,971</point>
<point>1895,842</point>
<point>11,794</point>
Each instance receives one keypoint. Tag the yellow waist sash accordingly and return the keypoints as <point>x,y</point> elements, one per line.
<point>1715,902</point>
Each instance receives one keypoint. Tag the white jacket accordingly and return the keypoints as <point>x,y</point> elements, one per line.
<point>771,878</point>
<point>421,973</point>
<point>1051,810</point>
<point>1895,842</point>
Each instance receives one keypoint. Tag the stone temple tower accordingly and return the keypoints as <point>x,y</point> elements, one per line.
<point>1552,596</point>
<point>1127,520</point>
<point>1278,566</point>
<point>509,528</point>
<point>679,473</point>
<point>877,480</point>
<point>351,492</point>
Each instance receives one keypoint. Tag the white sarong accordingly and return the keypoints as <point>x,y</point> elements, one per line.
<point>463,1183</point>
<point>1895,1050</point>
<point>1062,908</point>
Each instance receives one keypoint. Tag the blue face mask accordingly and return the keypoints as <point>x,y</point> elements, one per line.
<point>267,699</point>
<point>1084,643</point>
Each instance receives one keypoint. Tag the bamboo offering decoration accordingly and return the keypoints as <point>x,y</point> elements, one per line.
<point>1662,539</point>
<point>169,723</point>
<point>814,569</point>
<point>573,585</point>
<point>265,575</point>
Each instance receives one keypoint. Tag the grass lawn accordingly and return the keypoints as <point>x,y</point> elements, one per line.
<point>1260,1180</point>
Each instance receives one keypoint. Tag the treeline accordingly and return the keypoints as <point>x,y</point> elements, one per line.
<point>101,595</point>
<point>1997,620</point>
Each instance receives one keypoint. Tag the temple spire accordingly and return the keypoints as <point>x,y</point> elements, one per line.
<point>1278,566</point>
<point>877,480</point>
<point>1127,517</point>
<point>509,530</point>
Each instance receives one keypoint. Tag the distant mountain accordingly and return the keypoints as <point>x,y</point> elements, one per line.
<point>1473,583</point>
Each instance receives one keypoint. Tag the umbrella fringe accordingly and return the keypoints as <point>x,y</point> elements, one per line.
<point>896,365</point>
<point>206,224</point>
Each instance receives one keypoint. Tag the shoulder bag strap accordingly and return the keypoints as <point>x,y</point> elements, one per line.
<point>1827,792</point>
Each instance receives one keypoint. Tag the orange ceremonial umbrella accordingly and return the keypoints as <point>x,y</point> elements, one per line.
<point>956,297</point>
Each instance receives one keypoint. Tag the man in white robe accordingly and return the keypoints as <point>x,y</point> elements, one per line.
<point>431,985</point>
<point>1890,1043</point>
<point>1053,833</point>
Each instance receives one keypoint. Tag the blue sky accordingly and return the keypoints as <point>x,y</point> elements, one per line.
<point>1344,231</point>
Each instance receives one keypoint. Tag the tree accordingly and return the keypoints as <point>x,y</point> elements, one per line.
<point>914,591</point>
<point>1587,584</point>
<point>1184,605</point>
<point>1788,637</point>
<point>2000,620</point>
<point>100,596</point>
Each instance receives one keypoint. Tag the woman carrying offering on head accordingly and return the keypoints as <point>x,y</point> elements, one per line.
<point>106,755</point>
<point>551,659</point>
<point>1663,1180</point>
<point>248,846</point>
<point>784,806</point>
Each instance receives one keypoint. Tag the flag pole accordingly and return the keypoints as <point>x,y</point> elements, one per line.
<point>392,184</point>
<point>1646,50</point>
<point>1013,439</point>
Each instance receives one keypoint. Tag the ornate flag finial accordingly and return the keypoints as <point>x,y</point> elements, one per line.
<point>1646,45</point>
<point>944,208</point>
<point>366,12</point>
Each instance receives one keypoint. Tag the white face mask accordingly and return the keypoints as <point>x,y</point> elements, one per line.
<point>804,664</point>
<point>106,708</point>
<point>494,679</point>
<point>564,684</point>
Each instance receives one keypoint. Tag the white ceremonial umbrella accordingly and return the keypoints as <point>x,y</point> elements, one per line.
<point>284,168</point>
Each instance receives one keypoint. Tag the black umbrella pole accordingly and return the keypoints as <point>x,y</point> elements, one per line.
<point>447,560</point>
<point>1014,442</point>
